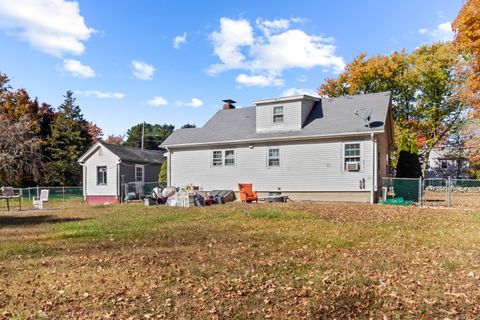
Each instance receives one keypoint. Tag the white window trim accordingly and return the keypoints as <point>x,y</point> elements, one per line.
<point>143,172</point>
<point>211,158</point>
<point>362,158</point>
<point>268,158</point>
<point>441,164</point>
<point>234,158</point>
<point>106,173</point>
<point>273,115</point>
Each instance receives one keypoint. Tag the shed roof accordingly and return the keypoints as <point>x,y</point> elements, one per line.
<point>131,154</point>
<point>329,116</point>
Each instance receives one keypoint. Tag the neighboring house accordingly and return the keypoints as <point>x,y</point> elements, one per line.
<point>442,163</point>
<point>308,147</point>
<point>108,167</point>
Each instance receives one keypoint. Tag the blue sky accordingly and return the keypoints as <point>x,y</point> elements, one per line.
<point>174,61</point>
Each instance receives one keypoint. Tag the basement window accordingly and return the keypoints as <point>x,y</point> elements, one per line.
<point>278,114</point>
<point>102,175</point>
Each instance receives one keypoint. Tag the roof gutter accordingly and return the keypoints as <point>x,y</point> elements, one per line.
<point>315,137</point>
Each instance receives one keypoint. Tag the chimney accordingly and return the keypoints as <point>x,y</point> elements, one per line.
<point>228,104</point>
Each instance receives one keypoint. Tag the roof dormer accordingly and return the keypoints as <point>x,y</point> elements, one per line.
<point>283,114</point>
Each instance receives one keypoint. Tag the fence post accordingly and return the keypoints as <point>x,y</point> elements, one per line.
<point>449,192</point>
<point>28,194</point>
<point>420,191</point>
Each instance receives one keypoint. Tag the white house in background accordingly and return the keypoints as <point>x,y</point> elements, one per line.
<point>107,167</point>
<point>309,147</point>
<point>441,164</point>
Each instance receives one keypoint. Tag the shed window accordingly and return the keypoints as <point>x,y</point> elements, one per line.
<point>273,157</point>
<point>351,155</point>
<point>139,173</point>
<point>444,164</point>
<point>278,114</point>
<point>217,158</point>
<point>102,175</point>
<point>229,157</point>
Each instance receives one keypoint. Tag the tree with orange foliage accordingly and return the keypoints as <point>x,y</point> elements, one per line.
<point>467,41</point>
<point>114,139</point>
<point>423,85</point>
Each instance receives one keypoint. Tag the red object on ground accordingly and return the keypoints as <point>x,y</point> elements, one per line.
<point>96,200</point>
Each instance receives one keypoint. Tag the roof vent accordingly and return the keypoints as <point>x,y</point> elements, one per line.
<point>228,104</point>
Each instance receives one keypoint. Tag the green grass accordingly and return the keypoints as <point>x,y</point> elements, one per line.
<point>241,261</point>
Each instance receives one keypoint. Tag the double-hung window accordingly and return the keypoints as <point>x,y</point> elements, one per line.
<point>139,173</point>
<point>352,157</point>
<point>444,164</point>
<point>278,114</point>
<point>223,158</point>
<point>229,157</point>
<point>217,158</point>
<point>273,159</point>
<point>101,175</point>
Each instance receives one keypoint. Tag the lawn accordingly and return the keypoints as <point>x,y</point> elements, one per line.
<point>240,261</point>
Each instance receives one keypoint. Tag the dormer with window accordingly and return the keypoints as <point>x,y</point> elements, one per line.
<point>283,114</point>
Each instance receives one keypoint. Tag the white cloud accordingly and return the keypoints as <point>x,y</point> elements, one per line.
<point>77,69</point>
<point>233,34</point>
<point>297,91</point>
<point>194,103</point>
<point>142,70</point>
<point>179,40</point>
<point>272,26</point>
<point>443,32</point>
<point>101,94</point>
<point>54,27</point>
<point>157,101</point>
<point>266,54</point>
<point>259,80</point>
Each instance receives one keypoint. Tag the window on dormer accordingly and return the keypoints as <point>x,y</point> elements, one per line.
<point>278,114</point>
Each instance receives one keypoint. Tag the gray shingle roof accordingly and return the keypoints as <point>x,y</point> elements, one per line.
<point>136,154</point>
<point>329,116</point>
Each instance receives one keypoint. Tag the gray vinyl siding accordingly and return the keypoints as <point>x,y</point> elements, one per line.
<point>108,159</point>
<point>304,166</point>
<point>292,117</point>
<point>307,106</point>
<point>127,170</point>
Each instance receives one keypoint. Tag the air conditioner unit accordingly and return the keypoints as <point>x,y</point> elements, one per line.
<point>353,166</point>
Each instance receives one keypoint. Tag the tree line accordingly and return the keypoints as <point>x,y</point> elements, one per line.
<point>435,92</point>
<point>40,145</point>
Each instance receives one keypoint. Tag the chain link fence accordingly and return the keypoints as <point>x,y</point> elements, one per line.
<point>138,190</point>
<point>431,192</point>
<point>58,197</point>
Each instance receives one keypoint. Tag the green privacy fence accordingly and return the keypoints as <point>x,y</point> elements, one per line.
<point>431,192</point>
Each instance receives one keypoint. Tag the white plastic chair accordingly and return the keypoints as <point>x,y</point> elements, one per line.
<point>39,201</point>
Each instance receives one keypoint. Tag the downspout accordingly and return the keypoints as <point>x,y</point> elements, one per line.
<point>374,168</point>
<point>84,182</point>
<point>169,167</point>
<point>119,183</point>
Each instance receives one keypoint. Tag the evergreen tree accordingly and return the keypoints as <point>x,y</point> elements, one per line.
<point>408,165</point>
<point>68,140</point>
<point>154,135</point>
<point>162,178</point>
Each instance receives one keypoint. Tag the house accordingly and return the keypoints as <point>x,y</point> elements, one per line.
<point>309,147</point>
<point>444,162</point>
<point>108,167</point>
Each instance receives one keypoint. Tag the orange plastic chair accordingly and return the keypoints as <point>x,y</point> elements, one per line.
<point>246,192</point>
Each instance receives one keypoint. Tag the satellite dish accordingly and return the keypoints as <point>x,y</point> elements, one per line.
<point>364,114</point>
